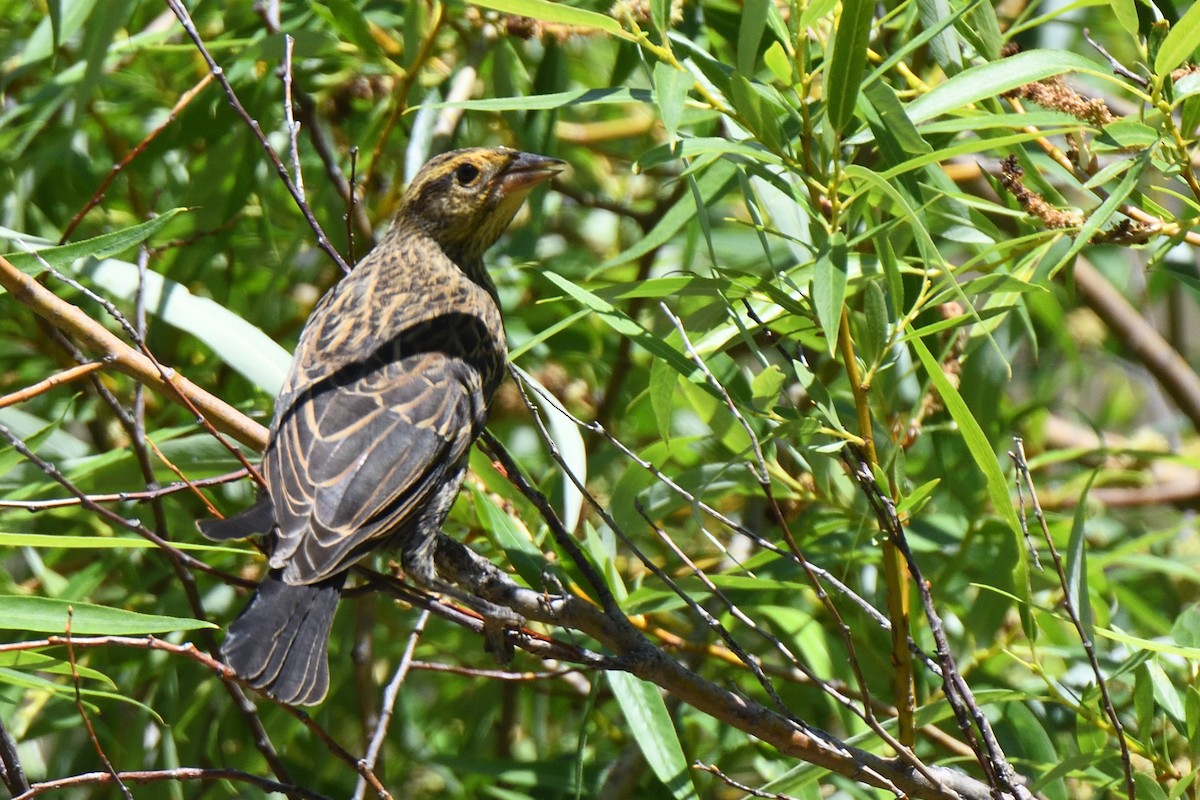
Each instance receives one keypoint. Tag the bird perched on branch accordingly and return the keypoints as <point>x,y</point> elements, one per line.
<point>389,386</point>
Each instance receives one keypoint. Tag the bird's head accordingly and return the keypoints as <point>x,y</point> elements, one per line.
<point>465,199</point>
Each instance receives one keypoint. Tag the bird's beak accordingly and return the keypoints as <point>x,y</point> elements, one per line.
<point>526,171</point>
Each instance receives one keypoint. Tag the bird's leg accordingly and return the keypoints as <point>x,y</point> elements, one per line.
<point>459,563</point>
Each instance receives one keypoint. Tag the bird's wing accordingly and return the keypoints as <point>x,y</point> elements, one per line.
<point>360,454</point>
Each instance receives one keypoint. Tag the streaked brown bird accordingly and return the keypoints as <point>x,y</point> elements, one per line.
<point>389,386</point>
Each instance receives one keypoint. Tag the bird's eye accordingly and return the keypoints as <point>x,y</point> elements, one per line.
<point>466,174</point>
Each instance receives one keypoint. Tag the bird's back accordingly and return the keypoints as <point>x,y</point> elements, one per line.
<point>390,385</point>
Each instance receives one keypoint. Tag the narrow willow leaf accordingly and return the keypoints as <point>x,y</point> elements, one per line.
<point>103,246</point>
<point>750,31</point>
<point>944,46</point>
<point>829,288</point>
<point>1126,13</point>
<point>1180,43</point>
<point>549,102</point>
<point>651,726</point>
<point>663,380</point>
<point>518,545</point>
<point>560,13</point>
<point>44,615</point>
<point>1077,581</point>
<point>875,307</point>
<point>996,78</point>
<point>1104,212</point>
<point>57,541</point>
<point>985,459</point>
<point>844,74</point>
<point>671,88</point>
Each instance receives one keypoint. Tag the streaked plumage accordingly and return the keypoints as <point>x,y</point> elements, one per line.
<point>388,388</point>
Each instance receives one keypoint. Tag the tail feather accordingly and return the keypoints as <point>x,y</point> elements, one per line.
<point>258,518</point>
<point>279,642</point>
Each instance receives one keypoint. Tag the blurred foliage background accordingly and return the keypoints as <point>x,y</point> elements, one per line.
<point>792,234</point>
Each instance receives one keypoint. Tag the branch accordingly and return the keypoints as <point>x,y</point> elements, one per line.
<point>95,337</point>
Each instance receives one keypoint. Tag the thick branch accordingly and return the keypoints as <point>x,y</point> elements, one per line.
<point>70,318</point>
<point>635,655</point>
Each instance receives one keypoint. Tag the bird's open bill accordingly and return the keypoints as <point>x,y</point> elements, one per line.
<point>528,170</point>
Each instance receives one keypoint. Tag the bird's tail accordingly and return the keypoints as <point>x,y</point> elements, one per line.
<point>278,643</point>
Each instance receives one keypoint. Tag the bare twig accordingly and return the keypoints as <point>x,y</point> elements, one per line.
<point>179,775</point>
<point>87,722</point>
<point>71,319</point>
<point>66,376</point>
<point>390,693</point>
<point>1001,776</point>
<point>293,127</point>
<point>1089,647</point>
<point>116,169</point>
<point>123,497</point>
<point>189,27</point>
<point>1117,66</point>
<point>712,769</point>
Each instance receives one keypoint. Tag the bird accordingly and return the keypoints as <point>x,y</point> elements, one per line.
<point>389,386</point>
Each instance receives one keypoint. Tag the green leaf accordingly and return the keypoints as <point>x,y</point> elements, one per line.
<point>829,288</point>
<point>651,727</point>
<point>671,87</point>
<point>549,102</point>
<point>776,59</point>
<point>103,246</point>
<point>559,13</point>
<point>844,74</point>
<point>663,380</point>
<point>985,459</point>
<point>1077,582</point>
<point>518,545</point>
<point>19,613</point>
<point>1126,13</point>
<point>915,499</point>
<point>750,31</point>
<point>944,45</point>
<point>1180,43</point>
<point>767,386</point>
<point>1104,212</point>
<point>995,78</point>
<point>345,17</point>
<point>878,323</point>
<point>59,541</point>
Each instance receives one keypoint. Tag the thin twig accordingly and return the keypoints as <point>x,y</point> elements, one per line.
<point>87,722</point>
<point>741,787</point>
<point>388,704</point>
<point>352,204</point>
<point>293,127</point>
<point>1117,66</point>
<point>1089,647</point>
<point>34,506</point>
<point>1001,776</point>
<point>179,774</point>
<point>116,169</point>
<point>66,376</point>
<point>189,27</point>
